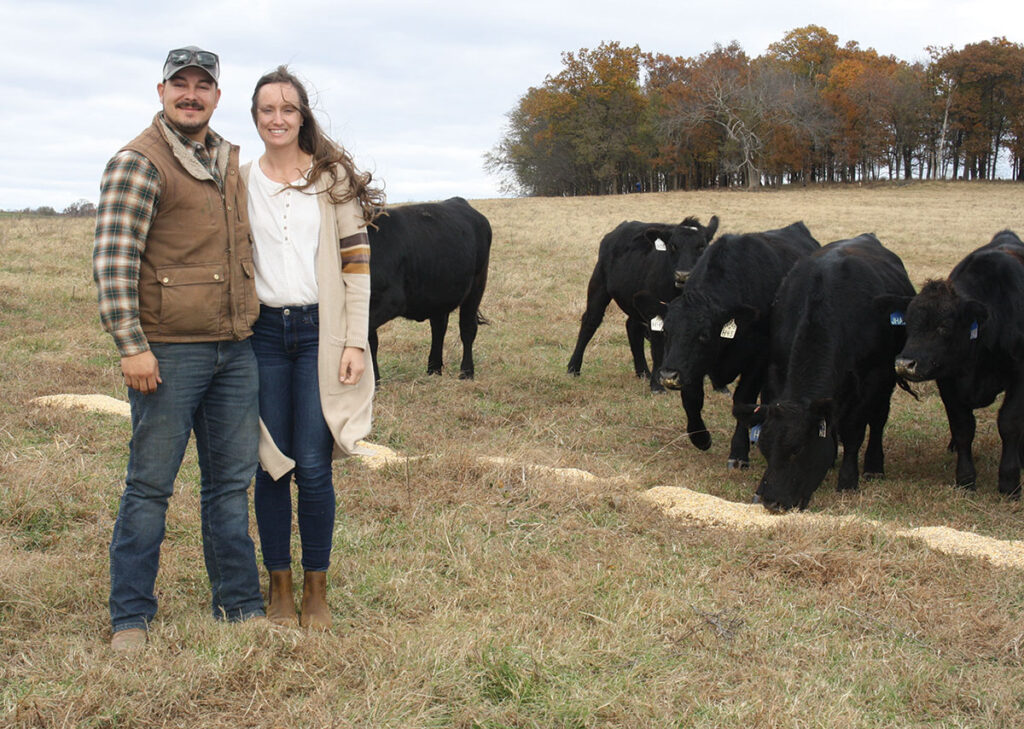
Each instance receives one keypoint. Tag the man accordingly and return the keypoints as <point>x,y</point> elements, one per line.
<point>172,262</point>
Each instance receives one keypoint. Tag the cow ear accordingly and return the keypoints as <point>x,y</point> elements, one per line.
<point>754,413</point>
<point>649,305</point>
<point>712,227</point>
<point>746,314</point>
<point>976,310</point>
<point>821,408</point>
<point>653,235</point>
<point>889,303</point>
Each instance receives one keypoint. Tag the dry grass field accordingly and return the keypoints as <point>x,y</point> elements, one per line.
<point>473,590</point>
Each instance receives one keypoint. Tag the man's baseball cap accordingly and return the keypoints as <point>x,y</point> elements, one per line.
<point>191,56</point>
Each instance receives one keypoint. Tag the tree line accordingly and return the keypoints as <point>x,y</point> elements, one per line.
<point>616,119</point>
<point>78,209</point>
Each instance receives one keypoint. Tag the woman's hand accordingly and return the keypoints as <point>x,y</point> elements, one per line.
<point>352,366</point>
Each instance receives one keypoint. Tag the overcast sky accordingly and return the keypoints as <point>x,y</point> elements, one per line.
<point>417,91</point>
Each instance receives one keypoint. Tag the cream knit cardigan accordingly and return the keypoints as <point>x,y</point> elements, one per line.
<point>344,305</point>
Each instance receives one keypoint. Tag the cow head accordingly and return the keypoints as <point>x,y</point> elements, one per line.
<point>685,244</point>
<point>698,333</point>
<point>799,444</point>
<point>941,328</point>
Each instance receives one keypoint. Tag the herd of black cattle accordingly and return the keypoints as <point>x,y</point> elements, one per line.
<point>815,337</point>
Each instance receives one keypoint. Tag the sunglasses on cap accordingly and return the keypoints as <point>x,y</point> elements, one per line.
<point>185,57</point>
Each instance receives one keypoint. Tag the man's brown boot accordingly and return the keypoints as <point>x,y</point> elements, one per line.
<point>281,607</point>
<point>315,613</point>
<point>128,641</point>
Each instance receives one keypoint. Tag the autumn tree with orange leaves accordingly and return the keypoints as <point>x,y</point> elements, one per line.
<point>616,119</point>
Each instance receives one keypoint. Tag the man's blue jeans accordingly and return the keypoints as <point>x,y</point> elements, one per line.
<point>209,388</point>
<point>286,342</point>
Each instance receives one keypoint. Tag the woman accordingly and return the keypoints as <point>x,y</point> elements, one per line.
<point>305,196</point>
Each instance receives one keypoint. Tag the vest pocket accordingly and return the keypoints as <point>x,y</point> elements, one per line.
<point>192,299</point>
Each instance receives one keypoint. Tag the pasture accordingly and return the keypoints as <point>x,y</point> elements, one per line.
<point>470,592</point>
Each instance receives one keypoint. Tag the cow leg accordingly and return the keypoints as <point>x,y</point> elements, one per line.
<point>597,301</point>
<point>1011,430</point>
<point>851,426</point>
<point>469,323</point>
<point>874,456</point>
<point>635,332</point>
<point>962,426</point>
<point>372,341</point>
<point>739,449</point>
<point>438,328</point>
<point>657,357</point>
<point>693,403</point>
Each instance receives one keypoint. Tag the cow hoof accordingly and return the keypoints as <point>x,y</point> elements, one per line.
<point>465,375</point>
<point>574,373</point>
<point>873,475</point>
<point>1011,491</point>
<point>701,439</point>
<point>738,464</point>
<point>433,371</point>
<point>967,485</point>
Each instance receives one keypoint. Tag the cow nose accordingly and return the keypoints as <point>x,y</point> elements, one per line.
<point>681,277</point>
<point>669,379</point>
<point>906,367</point>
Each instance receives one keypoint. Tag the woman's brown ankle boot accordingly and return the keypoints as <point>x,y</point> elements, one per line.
<point>281,607</point>
<point>315,613</point>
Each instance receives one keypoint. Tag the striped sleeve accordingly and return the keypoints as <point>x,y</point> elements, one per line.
<point>355,273</point>
<point>129,191</point>
<point>355,254</point>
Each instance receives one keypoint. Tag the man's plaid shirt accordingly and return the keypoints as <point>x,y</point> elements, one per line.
<point>129,196</point>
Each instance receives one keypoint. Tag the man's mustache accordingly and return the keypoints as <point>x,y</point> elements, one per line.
<point>190,105</point>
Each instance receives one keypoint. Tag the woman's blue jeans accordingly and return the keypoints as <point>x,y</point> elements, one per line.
<point>208,388</point>
<point>286,342</point>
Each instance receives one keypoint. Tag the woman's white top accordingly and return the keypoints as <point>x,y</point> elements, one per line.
<point>285,226</point>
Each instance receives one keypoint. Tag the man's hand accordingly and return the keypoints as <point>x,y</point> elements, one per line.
<point>352,365</point>
<point>141,372</point>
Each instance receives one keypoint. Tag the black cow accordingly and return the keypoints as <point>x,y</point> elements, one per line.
<point>426,260</point>
<point>719,325</point>
<point>967,334</point>
<point>832,350</point>
<point>635,257</point>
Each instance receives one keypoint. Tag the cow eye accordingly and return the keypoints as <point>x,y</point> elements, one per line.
<point>942,332</point>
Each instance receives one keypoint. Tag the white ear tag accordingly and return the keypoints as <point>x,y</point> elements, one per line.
<point>729,330</point>
<point>822,429</point>
<point>657,324</point>
<point>659,245</point>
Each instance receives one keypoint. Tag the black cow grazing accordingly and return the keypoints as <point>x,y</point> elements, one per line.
<point>426,260</point>
<point>719,325</point>
<point>967,334</point>
<point>634,257</point>
<point>832,350</point>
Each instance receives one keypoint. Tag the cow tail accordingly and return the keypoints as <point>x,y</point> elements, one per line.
<point>904,385</point>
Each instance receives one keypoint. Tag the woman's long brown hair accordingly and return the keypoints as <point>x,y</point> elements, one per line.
<point>327,154</point>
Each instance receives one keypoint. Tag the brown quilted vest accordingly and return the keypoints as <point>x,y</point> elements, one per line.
<point>196,275</point>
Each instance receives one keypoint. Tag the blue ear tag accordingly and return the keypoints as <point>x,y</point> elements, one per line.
<point>896,319</point>
<point>755,433</point>
<point>974,330</point>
